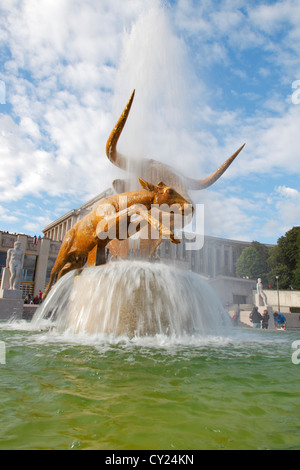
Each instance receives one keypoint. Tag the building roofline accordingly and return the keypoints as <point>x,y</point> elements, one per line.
<point>61,219</point>
<point>72,212</point>
<point>229,240</point>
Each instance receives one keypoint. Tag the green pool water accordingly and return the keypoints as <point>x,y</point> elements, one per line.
<point>240,391</point>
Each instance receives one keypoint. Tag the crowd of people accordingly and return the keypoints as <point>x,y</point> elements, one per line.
<point>36,300</point>
<point>261,321</point>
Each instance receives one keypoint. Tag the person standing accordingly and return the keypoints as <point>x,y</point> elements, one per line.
<point>235,319</point>
<point>255,317</point>
<point>265,320</point>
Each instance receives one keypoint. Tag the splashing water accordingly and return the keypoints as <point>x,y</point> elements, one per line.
<point>133,298</point>
<point>154,61</point>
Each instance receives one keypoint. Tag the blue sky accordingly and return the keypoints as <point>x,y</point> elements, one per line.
<point>209,76</point>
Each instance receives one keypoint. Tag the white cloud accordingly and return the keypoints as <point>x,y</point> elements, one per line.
<point>6,217</point>
<point>228,215</point>
<point>60,72</point>
<point>271,142</point>
<point>289,192</point>
<point>72,61</point>
<point>272,17</point>
<point>34,225</point>
<point>290,216</point>
<point>70,66</point>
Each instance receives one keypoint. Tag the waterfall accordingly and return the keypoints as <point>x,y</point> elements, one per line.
<point>133,298</point>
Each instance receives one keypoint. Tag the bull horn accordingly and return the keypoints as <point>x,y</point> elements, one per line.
<point>111,145</point>
<point>210,180</point>
<point>121,186</point>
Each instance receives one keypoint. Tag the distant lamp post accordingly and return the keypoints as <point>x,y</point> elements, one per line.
<point>277,279</point>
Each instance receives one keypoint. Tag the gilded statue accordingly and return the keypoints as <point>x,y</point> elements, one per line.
<point>154,171</point>
<point>104,223</point>
<point>107,220</point>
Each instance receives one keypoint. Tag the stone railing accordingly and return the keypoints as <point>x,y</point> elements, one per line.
<point>8,241</point>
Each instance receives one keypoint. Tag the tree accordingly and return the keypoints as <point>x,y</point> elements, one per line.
<point>261,249</point>
<point>296,279</point>
<point>289,248</point>
<point>253,262</point>
<point>284,274</point>
<point>284,260</point>
<point>274,257</point>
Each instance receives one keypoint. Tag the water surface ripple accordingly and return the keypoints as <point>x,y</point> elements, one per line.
<point>57,391</point>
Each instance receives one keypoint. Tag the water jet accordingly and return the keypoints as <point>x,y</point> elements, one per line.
<point>135,298</point>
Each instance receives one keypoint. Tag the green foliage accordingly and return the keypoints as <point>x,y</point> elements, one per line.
<point>282,260</point>
<point>261,249</point>
<point>285,277</point>
<point>274,257</point>
<point>253,262</point>
<point>296,279</point>
<point>289,248</point>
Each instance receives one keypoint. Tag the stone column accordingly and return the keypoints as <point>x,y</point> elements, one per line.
<point>230,260</point>
<point>222,258</point>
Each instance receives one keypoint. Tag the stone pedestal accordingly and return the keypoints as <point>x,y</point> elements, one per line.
<point>11,309</point>
<point>5,291</point>
<point>10,294</point>
<point>11,302</point>
<point>259,301</point>
<point>271,320</point>
<point>5,279</point>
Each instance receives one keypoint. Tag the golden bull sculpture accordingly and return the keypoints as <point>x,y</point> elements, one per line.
<point>102,225</point>
<point>154,171</point>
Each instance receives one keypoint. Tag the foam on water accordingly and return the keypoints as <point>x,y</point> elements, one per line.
<point>128,304</point>
<point>133,299</point>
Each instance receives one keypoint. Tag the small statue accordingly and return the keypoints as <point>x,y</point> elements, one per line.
<point>261,294</point>
<point>14,261</point>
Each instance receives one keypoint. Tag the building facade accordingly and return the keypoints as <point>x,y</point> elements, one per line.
<point>39,258</point>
